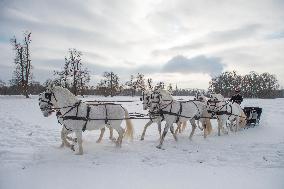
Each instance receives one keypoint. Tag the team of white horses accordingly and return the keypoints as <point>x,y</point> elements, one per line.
<point>77,116</point>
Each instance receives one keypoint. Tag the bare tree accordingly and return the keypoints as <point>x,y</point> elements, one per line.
<point>150,84</point>
<point>140,83</point>
<point>131,85</point>
<point>22,74</point>
<point>109,85</point>
<point>73,75</point>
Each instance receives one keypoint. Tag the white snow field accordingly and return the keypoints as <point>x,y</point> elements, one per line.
<point>30,157</point>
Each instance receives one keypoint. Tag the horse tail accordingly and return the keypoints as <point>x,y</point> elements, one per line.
<point>208,126</point>
<point>129,126</point>
<point>183,126</point>
<point>243,118</point>
<point>207,121</point>
<point>200,127</point>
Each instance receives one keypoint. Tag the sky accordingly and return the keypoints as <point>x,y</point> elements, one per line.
<point>182,42</point>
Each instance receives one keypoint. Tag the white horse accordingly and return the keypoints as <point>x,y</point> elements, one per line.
<point>146,101</point>
<point>79,116</point>
<point>46,108</point>
<point>174,111</point>
<point>203,117</point>
<point>226,111</point>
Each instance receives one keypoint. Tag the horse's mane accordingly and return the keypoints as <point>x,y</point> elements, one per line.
<point>68,96</point>
<point>219,97</point>
<point>165,94</point>
<point>147,92</point>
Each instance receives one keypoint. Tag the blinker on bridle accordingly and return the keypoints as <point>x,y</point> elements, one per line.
<point>47,96</point>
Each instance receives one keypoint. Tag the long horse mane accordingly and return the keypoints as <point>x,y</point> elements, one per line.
<point>68,96</point>
<point>165,94</point>
<point>219,97</point>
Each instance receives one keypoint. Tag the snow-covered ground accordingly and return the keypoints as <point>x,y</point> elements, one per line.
<point>30,156</point>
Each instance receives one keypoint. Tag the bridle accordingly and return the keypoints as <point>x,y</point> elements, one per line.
<point>48,96</point>
<point>158,106</point>
<point>145,100</point>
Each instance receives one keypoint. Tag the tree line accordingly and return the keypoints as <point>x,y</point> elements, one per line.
<point>76,77</point>
<point>252,85</point>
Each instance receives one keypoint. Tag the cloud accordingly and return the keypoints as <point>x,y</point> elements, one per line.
<point>214,38</point>
<point>200,64</point>
<point>133,36</point>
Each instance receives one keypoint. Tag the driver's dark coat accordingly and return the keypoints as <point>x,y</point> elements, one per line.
<point>237,98</point>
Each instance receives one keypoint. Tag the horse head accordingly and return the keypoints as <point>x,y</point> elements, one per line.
<point>159,97</point>
<point>45,103</point>
<point>214,100</point>
<point>146,101</point>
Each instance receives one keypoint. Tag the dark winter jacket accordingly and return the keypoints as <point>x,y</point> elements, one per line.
<point>237,98</point>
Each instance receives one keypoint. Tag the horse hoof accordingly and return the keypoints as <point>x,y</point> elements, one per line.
<point>118,145</point>
<point>79,153</point>
<point>142,139</point>
<point>98,141</point>
<point>159,147</point>
<point>113,139</point>
<point>73,148</point>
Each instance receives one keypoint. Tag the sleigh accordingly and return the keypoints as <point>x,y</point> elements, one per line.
<point>253,116</point>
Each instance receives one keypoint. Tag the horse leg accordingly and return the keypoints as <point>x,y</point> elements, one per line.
<point>62,139</point>
<point>120,131</point>
<point>193,124</point>
<point>201,128</point>
<point>79,139</point>
<point>145,128</point>
<point>111,134</point>
<point>221,120</point>
<point>237,124</point>
<point>164,135</point>
<point>173,132</point>
<point>101,135</point>
<point>203,122</point>
<point>224,120</point>
<point>64,133</point>
<point>218,121</point>
<point>160,128</point>
<point>178,127</point>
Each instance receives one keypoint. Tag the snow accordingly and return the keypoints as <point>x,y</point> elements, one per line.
<point>30,156</point>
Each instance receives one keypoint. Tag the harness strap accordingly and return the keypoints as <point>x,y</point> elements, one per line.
<point>106,120</point>
<point>78,108</point>
<point>87,118</point>
<point>179,112</point>
<point>48,102</point>
<point>77,104</point>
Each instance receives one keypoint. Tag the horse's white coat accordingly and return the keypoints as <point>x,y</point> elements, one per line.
<point>146,102</point>
<point>64,100</point>
<point>160,101</point>
<point>234,111</point>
